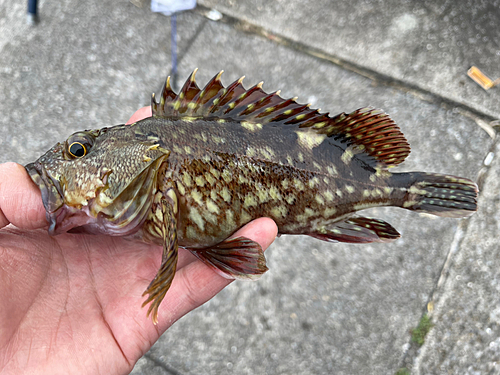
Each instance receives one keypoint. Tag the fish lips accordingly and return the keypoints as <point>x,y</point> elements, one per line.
<point>52,197</point>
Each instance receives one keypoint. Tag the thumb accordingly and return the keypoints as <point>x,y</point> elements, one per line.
<point>20,199</point>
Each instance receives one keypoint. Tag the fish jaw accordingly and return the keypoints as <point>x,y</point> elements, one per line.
<point>51,194</point>
<point>60,216</point>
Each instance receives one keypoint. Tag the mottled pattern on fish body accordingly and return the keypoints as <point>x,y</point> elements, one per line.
<point>227,174</point>
<point>210,160</point>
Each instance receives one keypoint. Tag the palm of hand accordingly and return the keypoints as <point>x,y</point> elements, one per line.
<point>76,297</point>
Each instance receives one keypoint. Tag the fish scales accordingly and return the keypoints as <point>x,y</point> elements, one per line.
<point>259,182</point>
<point>211,160</point>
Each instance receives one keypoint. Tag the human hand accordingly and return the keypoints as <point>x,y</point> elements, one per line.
<point>72,303</point>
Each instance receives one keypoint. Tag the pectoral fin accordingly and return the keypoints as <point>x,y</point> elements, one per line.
<point>165,212</point>
<point>358,230</point>
<point>235,258</point>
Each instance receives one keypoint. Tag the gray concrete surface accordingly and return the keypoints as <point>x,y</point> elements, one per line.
<point>429,44</point>
<point>322,308</point>
<point>466,338</point>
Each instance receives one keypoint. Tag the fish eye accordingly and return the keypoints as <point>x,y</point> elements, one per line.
<point>78,145</point>
<point>77,150</point>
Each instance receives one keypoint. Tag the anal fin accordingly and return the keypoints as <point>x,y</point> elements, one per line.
<point>235,258</point>
<point>358,230</point>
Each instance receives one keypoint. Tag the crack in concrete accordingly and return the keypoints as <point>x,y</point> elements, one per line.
<point>412,352</point>
<point>170,370</point>
<point>423,94</point>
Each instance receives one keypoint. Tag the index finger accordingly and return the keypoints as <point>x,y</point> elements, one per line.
<point>140,114</point>
<point>20,199</point>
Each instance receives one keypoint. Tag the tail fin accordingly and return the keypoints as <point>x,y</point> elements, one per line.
<point>441,195</point>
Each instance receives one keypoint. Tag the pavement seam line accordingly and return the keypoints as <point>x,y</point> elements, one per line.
<point>170,370</point>
<point>413,351</point>
<point>417,91</point>
<point>410,356</point>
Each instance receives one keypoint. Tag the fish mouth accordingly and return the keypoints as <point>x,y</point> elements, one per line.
<point>52,196</point>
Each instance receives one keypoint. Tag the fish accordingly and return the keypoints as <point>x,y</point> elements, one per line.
<point>208,161</point>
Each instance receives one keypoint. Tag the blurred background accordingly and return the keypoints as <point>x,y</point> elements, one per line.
<point>425,304</point>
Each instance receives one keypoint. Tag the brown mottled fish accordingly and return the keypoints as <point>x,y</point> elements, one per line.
<point>210,160</point>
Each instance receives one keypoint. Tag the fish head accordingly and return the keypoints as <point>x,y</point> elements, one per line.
<point>98,181</point>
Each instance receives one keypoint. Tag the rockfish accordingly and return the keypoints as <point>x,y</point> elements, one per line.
<point>210,160</point>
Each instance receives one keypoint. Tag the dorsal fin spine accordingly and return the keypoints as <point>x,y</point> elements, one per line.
<point>364,129</point>
<point>260,106</point>
<point>154,105</point>
<point>242,97</point>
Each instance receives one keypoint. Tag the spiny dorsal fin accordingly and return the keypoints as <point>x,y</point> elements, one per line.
<point>366,130</point>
